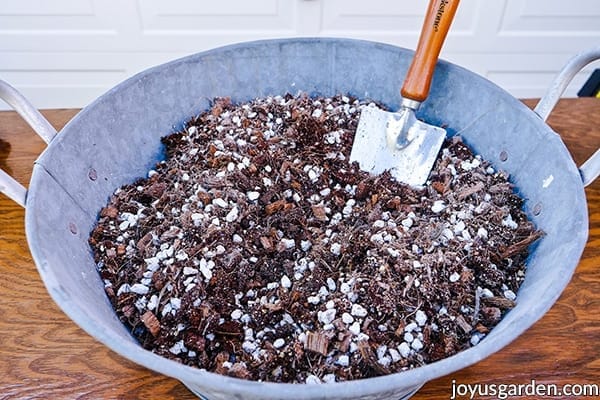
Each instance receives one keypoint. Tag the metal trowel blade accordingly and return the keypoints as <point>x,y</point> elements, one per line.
<point>410,164</point>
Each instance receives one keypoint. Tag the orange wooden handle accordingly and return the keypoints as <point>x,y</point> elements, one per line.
<point>435,27</point>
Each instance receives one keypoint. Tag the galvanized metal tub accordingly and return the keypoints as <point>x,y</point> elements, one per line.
<point>115,140</point>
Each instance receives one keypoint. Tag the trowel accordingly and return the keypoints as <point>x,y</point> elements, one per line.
<point>398,141</point>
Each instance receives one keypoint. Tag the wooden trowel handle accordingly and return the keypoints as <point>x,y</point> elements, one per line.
<point>435,27</point>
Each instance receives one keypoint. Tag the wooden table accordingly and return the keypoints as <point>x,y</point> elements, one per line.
<point>43,354</point>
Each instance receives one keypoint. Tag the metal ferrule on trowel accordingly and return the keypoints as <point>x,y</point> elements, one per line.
<point>398,129</point>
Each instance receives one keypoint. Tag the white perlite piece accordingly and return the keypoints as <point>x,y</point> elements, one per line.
<point>138,288</point>
<point>206,272</point>
<point>395,355</point>
<point>323,292</point>
<point>510,295</point>
<point>253,195</point>
<point>347,318</point>
<point>355,328</point>
<point>416,344</point>
<point>278,343</point>
<point>152,303</point>
<point>220,249</point>
<point>411,327</point>
<point>175,303</point>
<point>469,165</point>
<point>345,288</point>
<point>378,224</point>
<point>232,215</point>
<point>189,271</point>
<point>249,346</point>
<point>482,233</point>
<point>305,245</point>
<point>404,349</point>
<point>123,226</point>
<point>220,202</point>
<point>124,288</point>
<point>476,338</point>
<point>327,316</point>
<point>509,222</point>
<point>336,249</point>
<point>420,317</point>
<point>384,361</point>
<point>438,206</point>
<point>459,227</point>
<point>152,263</point>
<point>267,181</point>
<point>548,181</point>
<point>381,350</point>
<point>227,364</point>
<point>288,243</point>
<point>331,285</point>
<point>407,222</point>
<point>358,311</point>
<point>454,277</point>
<point>286,282</point>
<point>343,361</point>
<point>181,255</point>
<point>178,347</point>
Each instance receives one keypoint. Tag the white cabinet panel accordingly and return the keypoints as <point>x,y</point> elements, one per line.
<point>554,17</point>
<point>46,8</point>
<point>212,17</point>
<point>376,16</point>
<point>380,15</point>
<point>33,18</point>
<point>549,26</point>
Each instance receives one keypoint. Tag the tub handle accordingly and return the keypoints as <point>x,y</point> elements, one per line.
<point>8,185</point>
<point>590,169</point>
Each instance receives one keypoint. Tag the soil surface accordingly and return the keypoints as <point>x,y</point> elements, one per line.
<point>255,250</point>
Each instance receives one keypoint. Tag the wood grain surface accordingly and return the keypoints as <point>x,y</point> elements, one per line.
<point>44,355</point>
